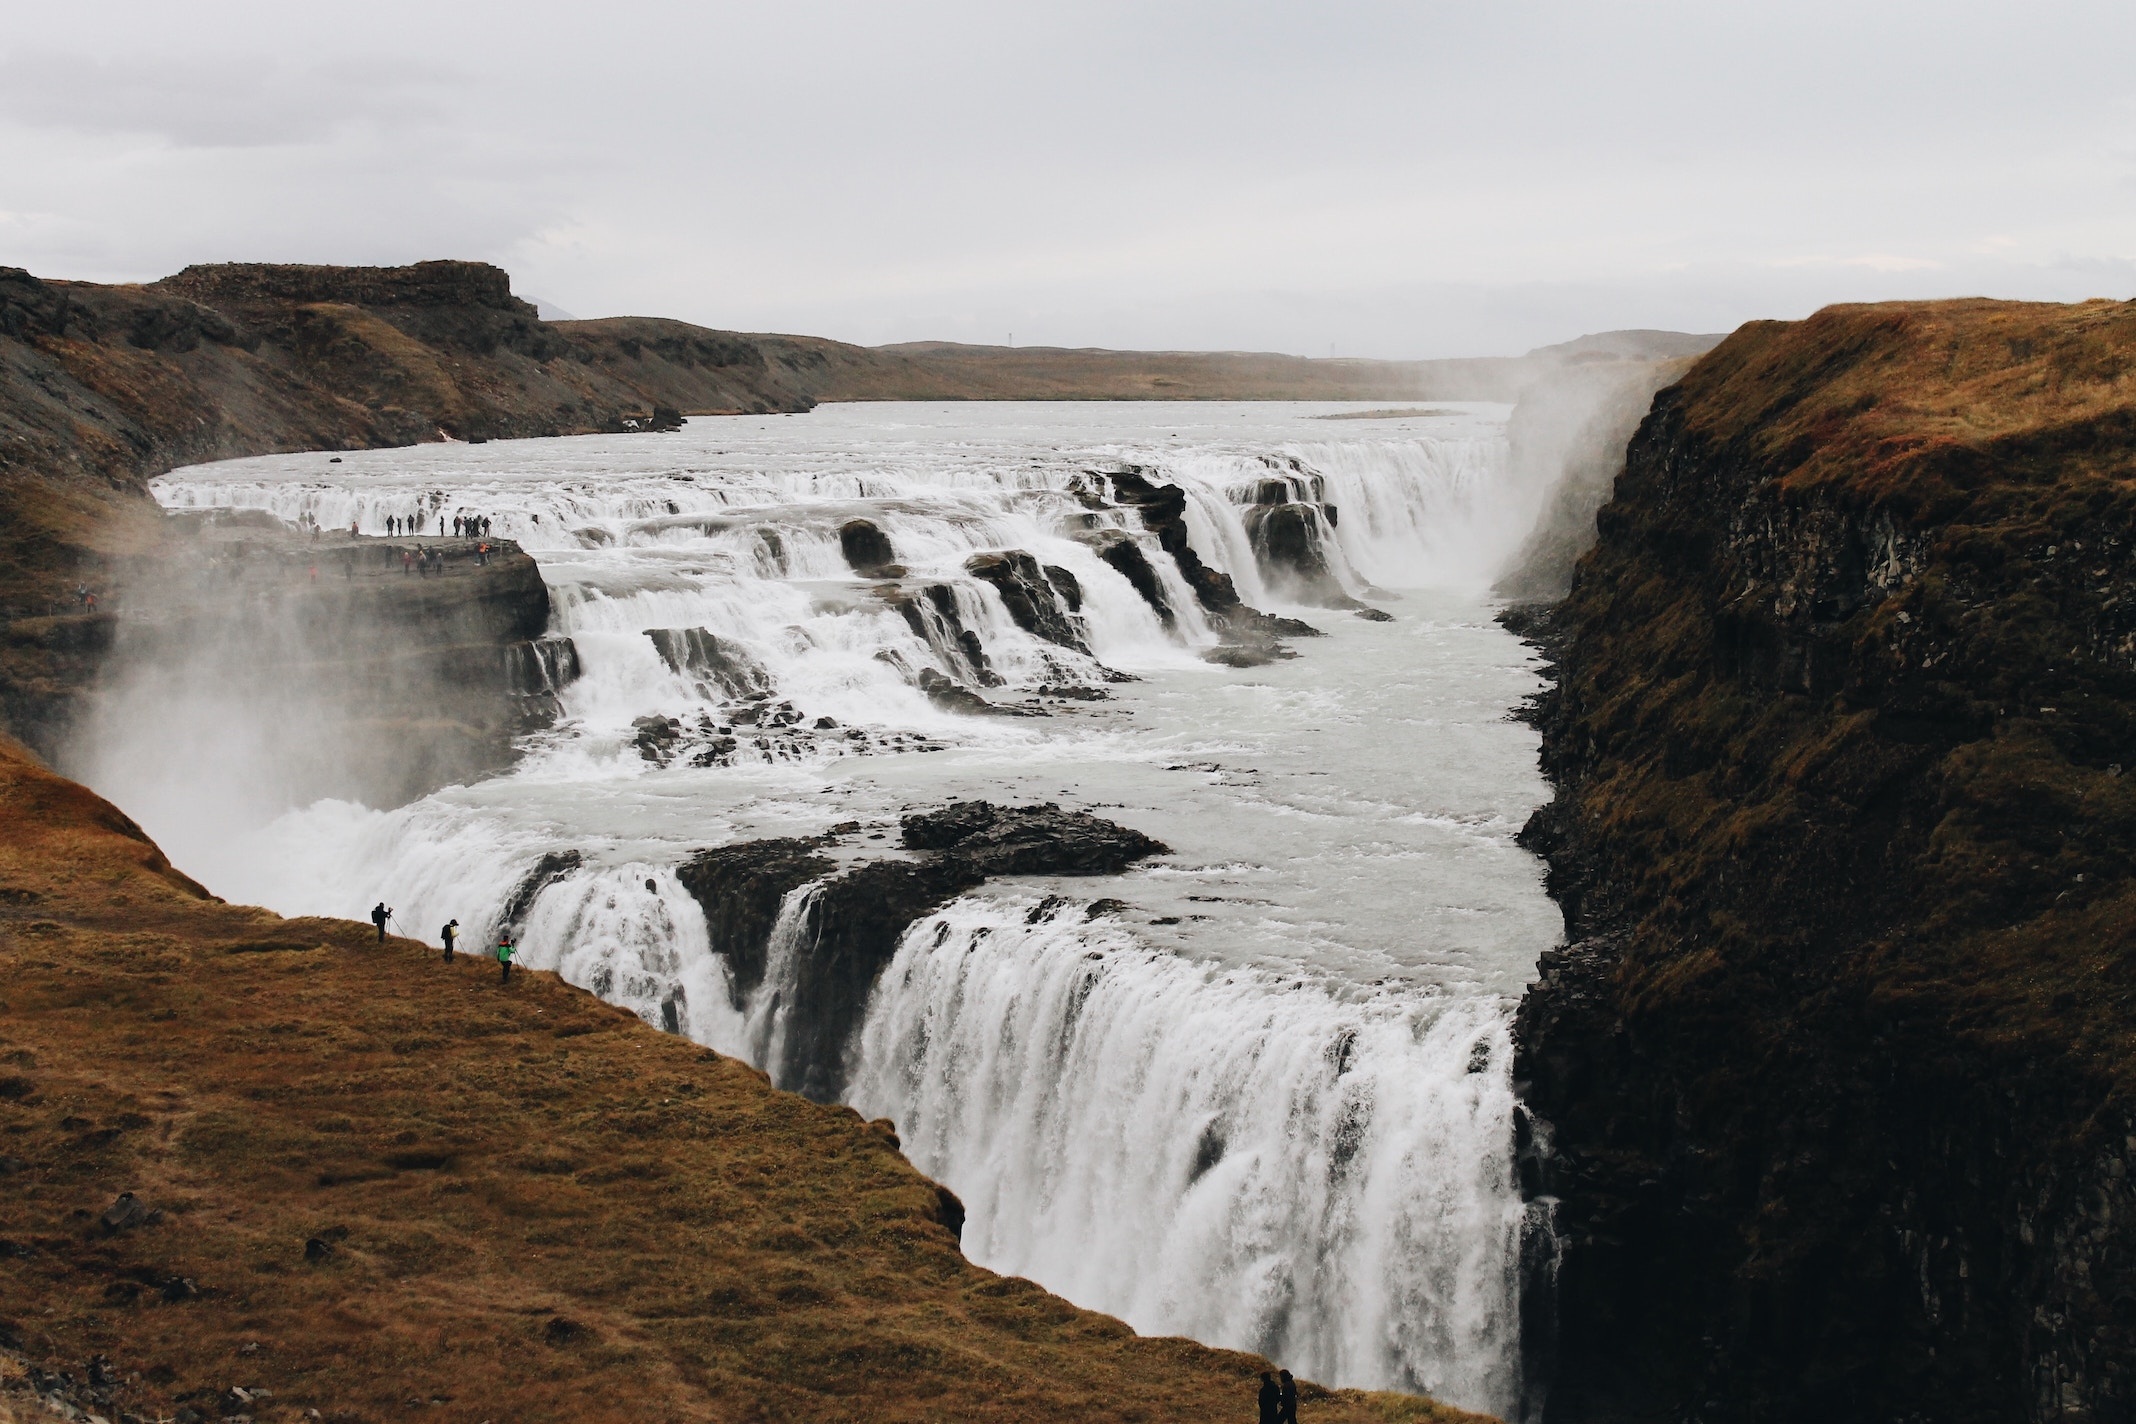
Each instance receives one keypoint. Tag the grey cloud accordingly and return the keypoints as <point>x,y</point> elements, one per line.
<point>206,102</point>
<point>1409,178</point>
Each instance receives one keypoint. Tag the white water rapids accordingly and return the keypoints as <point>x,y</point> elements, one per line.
<point>1268,1103</point>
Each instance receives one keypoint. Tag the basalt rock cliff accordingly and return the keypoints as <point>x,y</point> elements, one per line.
<point>1832,1082</point>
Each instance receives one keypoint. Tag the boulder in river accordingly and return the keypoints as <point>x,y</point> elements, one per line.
<point>1028,840</point>
<point>1247,655</point>
<point>952,696</point>
<point>868,550</point>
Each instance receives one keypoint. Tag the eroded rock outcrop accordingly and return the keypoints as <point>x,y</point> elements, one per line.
<point>852,923</point>
<point>1832,1083</point>
<point>1043,599</point>
<point>1027,840</point>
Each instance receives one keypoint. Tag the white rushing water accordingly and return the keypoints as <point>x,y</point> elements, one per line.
<point>1267,1103</point>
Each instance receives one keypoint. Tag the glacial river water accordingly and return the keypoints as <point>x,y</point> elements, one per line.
<point>1267,1105</point>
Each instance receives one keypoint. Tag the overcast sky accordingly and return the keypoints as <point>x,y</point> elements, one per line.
<point>1420,179</point>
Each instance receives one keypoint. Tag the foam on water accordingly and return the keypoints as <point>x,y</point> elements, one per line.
<point>1267,1105</point>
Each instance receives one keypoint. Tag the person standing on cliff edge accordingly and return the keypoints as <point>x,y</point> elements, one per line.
<point>379,915</point>
<point>505,951</point>
<point>450,934</point>
<point>1289,1393</point>
<point>1271,1400</point>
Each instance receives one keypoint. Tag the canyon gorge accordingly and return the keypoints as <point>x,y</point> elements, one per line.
<point>1598,896</point>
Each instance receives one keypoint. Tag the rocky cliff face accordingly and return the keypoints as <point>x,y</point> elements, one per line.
<point>103,387</point>
<point>333,665</point>
<point>1832,1081</point>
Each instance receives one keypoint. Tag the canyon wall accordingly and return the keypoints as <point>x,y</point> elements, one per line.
<point>104,387</point>
<point>1831,1084</point>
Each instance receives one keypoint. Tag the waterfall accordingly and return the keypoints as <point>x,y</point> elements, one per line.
<point>769,1010</point>
<point>1313,1161</point>
<point>1210,1151</point>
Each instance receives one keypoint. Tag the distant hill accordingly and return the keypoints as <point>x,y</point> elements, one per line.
<point>942,370</point>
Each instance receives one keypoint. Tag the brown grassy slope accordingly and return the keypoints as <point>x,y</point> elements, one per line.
<point>485,1163</point>
<point>1842,1070</point>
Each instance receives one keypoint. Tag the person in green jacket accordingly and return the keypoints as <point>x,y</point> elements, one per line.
<point>505,950</point>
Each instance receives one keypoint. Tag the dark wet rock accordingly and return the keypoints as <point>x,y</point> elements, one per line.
<point>1163,508</point>
<point>657,737</point>
<point>739,887</point>
<point>719,665</point>
<point>932,614</point>
<point>854,931</point>
<point>1047,908</point>
<point>1247,627</point>
<point>549,870</point>
<point>868,550</point>
<point>1374,615</point>
<point>1289,541</point>
<point>541,667</point>
<point>1031,596</point>
<point>954,697</point>
<point>1067,586</point>
<point>1075,692</point>
<point>1247,655</point>
<point>854,923</point>
<point>1124,553</point>
<point>1027,840</point>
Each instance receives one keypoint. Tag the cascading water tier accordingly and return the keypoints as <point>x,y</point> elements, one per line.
<point>1255,1091</point>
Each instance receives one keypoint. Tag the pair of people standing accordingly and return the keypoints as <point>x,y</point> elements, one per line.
<point>1279,1402</point>
<point>450,934</point>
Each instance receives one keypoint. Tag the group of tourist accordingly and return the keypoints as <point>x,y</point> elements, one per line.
<point>464,526</point>
<point>382,916</point>
<point>422,560</point>
<point>1279,1401</point>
